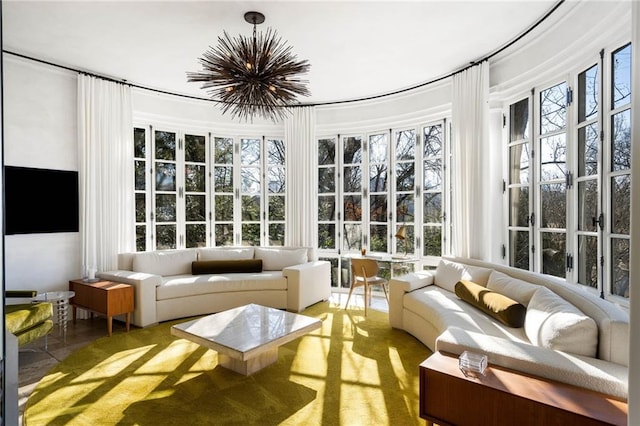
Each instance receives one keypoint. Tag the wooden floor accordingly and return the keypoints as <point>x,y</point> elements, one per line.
<point>34,362</point>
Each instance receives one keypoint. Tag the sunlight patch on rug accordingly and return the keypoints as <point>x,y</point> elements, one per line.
<point>353,370</point>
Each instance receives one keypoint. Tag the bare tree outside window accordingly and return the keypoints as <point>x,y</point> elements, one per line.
<point>599,228</point>
<point>223,192</point>
<point>327,195</point>
<point>433,177</point>
<point>552,166</point>
<point>352,193</point>
<point>620,171</point>
<point>518,184</point>
<point>405,175</point>
<point>166,195</point>
<point>140,186</point>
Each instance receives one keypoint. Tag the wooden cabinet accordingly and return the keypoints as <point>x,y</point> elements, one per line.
<point>506,397</point>
<point>109,298</point>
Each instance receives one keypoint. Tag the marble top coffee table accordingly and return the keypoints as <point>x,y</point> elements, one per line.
<point>246,338</point>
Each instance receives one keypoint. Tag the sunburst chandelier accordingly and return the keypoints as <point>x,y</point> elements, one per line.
<point>252,76</point>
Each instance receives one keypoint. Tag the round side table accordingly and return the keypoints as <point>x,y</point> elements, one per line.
<point>60,300</point>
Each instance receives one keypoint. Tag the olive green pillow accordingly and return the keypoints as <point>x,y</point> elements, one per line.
<point>225,266</point>
<point>507,311</point>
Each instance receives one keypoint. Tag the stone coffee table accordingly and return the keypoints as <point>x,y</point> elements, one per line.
<point>246,338</point>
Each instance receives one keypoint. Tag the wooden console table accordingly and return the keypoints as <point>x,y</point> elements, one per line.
<point>506,397</point>
<point>104,297</point>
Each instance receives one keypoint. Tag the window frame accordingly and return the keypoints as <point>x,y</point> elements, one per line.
<point>603,176</point>
<point>263,220</point>
<point>393,222</point>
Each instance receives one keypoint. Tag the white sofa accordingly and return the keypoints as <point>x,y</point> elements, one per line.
<point>568,334</point>
<point>165,288</point>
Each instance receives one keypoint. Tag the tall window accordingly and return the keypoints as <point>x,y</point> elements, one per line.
<point>405,186</point>
<point>140,186</point>
<point>619,171</point>
<point>378,178</point>
<point>165,200</point>
<point>518,182</point>
<point>587,177</point>
<point>195,190</point>
<point>576,222</point>
<point>433,213</point>
<point>223,192</point>
<point>552,179</point>
<point>352,238</point>
<point>370,185</point>
<point>327,195</point>
<point>250,192</point>
<point>276,192</point>
<point>241,201</point>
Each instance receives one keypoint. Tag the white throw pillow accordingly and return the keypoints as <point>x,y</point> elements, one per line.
<point>552,322</point>
<point>513,288</point>
<point>225,253</point>
<point>165,263</point>
<point>276,259</point>
<point>449,273</point>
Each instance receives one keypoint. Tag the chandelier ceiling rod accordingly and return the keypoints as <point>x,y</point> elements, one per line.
<point>255,18</point>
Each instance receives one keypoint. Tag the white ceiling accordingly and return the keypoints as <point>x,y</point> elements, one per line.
<point>356,48</point>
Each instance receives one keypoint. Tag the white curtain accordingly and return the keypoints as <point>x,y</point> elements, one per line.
<point>105,139</point>
<point>299,129</point>
<point>470,137</point>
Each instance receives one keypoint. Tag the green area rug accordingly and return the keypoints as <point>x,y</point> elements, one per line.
<point>354,370</point>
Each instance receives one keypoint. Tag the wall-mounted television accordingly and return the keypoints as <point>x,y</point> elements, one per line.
<point>40,200</point>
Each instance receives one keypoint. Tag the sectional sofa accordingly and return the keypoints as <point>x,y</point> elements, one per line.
<point>170,284</point>
<point>528,322</point>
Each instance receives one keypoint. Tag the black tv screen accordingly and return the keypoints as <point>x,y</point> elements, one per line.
<point>40,200</point>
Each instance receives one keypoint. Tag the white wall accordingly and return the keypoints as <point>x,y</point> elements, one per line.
<point>195,115</point>
<point>418,106</point>
<point>583,31</point>
<point>40,131</point>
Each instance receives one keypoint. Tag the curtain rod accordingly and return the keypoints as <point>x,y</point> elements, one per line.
<point>367,98</point>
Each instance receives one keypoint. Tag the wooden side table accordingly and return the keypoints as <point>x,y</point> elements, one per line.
<point>507,397</point>
<point>104,297</point>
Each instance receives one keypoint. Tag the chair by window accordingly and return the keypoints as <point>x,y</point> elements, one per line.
<point>364,273</point>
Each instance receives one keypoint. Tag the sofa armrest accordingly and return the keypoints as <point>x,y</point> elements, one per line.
<point>401,285</point>
<point>585,372</point>
<point>307,283</point>
<point>144,290</point>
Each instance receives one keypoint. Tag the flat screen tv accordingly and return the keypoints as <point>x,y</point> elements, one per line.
<point>40,200</point>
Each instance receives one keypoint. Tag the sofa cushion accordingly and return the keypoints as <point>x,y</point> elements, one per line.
<point>554,323</point>
<point>226,266</point>
<point>506,310</point>
<point>276,259</point>
<point>449,273</point>
<point>225,253</point>
<point>591,373</point>
<point>193,285</point>
<point>518,290</point>
<point>441,309</point>
<point>164,262</point>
